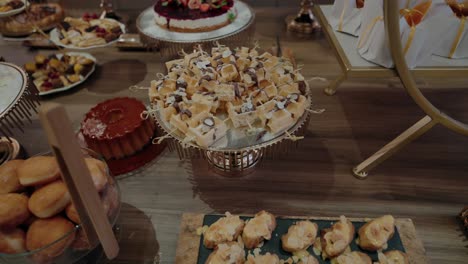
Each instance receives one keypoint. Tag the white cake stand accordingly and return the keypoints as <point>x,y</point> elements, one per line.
<point>238,33</point>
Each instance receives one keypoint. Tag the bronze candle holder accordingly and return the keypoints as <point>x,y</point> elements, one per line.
<point>304,22</point>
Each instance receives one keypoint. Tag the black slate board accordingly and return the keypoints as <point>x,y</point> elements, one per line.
<point>282,225</point>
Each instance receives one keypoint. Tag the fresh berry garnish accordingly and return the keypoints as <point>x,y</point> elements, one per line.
<point>194,4</point>
<point>94,16</point>
<point>205,7</point>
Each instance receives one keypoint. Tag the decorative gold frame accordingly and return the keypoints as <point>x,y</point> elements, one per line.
<point>433,116</point>
<point>350,71</point>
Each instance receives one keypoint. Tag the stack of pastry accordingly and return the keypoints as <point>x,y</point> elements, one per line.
<point>205,94</point>
<point>36,208</point>
<point>230,235</point>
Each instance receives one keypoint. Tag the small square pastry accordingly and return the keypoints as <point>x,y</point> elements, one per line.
<point>228,73</point>
<point>243,114</point>
<point>225,92</point>
<point>180,121</point>
<point>206,98</point>
<point>296,105</point>
<point>287,89</point>
<point>207,129</point>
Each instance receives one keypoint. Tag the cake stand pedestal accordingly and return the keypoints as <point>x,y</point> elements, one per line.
<point>239,33</point>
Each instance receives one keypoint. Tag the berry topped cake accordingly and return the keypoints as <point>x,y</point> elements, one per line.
<point>194,15</point>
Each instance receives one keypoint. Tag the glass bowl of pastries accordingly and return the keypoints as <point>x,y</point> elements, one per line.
<point>38,222</point>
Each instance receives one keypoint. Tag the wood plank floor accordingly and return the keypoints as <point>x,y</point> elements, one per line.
<point>427,181</point>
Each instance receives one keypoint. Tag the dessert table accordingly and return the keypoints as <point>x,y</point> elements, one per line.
<point>314,180</point>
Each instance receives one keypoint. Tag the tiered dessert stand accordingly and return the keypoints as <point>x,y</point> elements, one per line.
<point>238,33</point>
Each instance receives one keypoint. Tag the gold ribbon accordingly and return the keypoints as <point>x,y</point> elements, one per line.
<point>413,27</point>
<point>340,24</point>
<point>410,40</point>
<point>461,28</point>
<point>365,33</point>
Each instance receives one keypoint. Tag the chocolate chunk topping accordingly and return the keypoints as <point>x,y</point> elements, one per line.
<point>91,29</point>
<point>182,85</point>
<point>253,76</point>
<point>178,98</point>
<point>236,90</point>
<point>259,65</point>
<point>186,112</point>
<point>206,77</point>
<point>65,25</point>
<point>176,106</point>
<point>261,134</point>
<point>302,87</point>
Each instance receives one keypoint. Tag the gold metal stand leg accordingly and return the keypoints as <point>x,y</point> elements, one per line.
<point>331,89</point>
<point>412,133</point>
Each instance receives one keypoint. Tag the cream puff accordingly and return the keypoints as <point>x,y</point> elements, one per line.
<point>226,229</point>
<point>375,234</point>
<point>258,229</point>
<point>354,257</point>
<point>9,177</point>
<point>13,210</point>
<point>300,236</point>
<point>263,259</point>
<point>229,253</point>
<point>98,173</point>
<point>72,214</point>
<point>38,170</point>
<point>335,240</point>
<point>49,200</point>
<point>12,241</point>
<point>44,232</point>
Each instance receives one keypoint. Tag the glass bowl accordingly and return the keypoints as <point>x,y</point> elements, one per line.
<point>74,245</point>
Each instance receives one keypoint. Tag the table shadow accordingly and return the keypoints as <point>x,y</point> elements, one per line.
<point>108,77</point>
<point>289,185</point>
<point>137,240</point>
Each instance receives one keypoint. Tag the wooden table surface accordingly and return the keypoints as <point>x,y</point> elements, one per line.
<point>427,181</point>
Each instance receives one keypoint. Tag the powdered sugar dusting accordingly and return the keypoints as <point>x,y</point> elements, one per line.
<point>94,127</point>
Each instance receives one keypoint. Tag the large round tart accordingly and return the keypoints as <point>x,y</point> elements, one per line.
<point>115,129</point>
<point>194,15</point>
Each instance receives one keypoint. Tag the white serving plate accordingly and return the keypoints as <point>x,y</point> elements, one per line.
<point>83,78</point>
<point>14,11</point>
<point>54,37</point>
